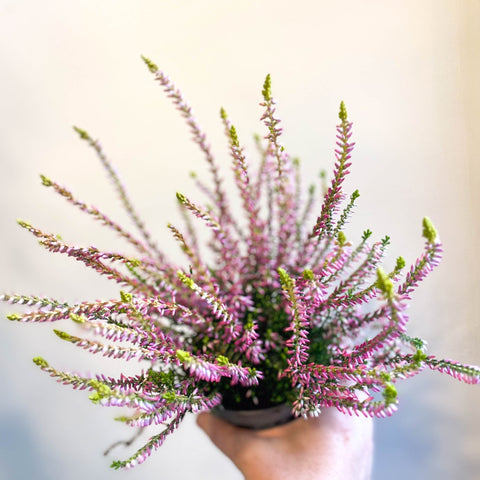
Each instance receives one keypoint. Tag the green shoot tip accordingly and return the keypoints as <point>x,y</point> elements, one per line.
<point>366,234</point>
<point>117,464</point>
<point>181,198</point>
<point>308,275</point>
<point>342,114</point>
<point>385,284</point>
<point>400,264</point>
<point>134,262</point>
<point>14,317</point>
<point>183,356</point>
<point>63,335</point>
<point>41,362</point>
<point>390,393</point>
<point>83,134</point>
<point>23,223</point>
<point>267,88</point>
<point>169,396</point>
<point>77,318</point>
<point>151,66</point>
<point>285,278</point>
<point>223,361</point>
<point>126,297</point>
<point>419,356</point>
<point>234,136</point>
<point>46,181</point>
<point>187,281</point>
<point>429,231</point>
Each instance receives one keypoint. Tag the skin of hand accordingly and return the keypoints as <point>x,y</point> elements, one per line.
<point>331,446</point>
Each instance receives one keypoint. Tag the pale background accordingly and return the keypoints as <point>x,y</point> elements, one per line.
<point>409,72</point>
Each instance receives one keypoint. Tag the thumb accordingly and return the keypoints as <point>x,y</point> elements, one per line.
<point>228,438</point>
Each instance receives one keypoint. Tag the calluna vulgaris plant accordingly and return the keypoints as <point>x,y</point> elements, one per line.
<point>284,314</point>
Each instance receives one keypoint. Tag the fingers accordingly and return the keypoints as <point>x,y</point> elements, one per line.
<point>225,436</point>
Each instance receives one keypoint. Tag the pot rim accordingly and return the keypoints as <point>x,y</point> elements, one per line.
<point>256,419</point>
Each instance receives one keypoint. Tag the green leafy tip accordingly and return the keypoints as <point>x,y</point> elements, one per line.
<point>419,356</point>
<point>367,233</point>
<point>267,88</point>
<point>122,418</point>
<point>83,134</point>
<point>117,464</point>
<point>101,391</point>
<point>46,181</point>
<point>223,361</point>
<point>355,195</point>
<point>234,136</point>
<point>187,281</point>
<point>64,335</point>
<point>385,284</point>
<point>342,239</point>
<point>77,318</point>
<point>308,275</point>
<point>429,231</point>
<point>400,264</point>
<point>249,323</point>
<point>181,198</point>
<point>223,114</point>
<point>23,224</point>
<point>126,297</point>
<point>169,396</point>
<point>151,66</point>
<point>183,356</point>
<point>385,241</point>
<point>390,393</point>
<point>41,362</point>
<point>14,317</point>
<point>342,114</point>
<point>285,278</point>
<point>134,262</point>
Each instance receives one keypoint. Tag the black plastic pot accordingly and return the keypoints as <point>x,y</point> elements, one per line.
<point>256,419</point>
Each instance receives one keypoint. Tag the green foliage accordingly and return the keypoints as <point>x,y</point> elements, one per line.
<point>77,318</point>
<point>64,335</point>
<point>385,284</point>
<point>101,391</point>
<point>342,114</point>
<point>83,134</point>
<point>390,393</point>
<point>183,356</point>
<point>151,66</point>
<point>400,264</point>
<point>126,297</point>
<point>429,231</point>
<point>267,89</point>
<point>41,362</point>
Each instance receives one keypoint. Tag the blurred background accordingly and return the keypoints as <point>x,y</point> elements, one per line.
<point>409,73</point>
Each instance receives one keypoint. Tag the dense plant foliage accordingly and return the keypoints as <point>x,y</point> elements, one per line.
<point>288,311</point>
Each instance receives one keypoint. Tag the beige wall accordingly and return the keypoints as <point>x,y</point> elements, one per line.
<point>409,73</point>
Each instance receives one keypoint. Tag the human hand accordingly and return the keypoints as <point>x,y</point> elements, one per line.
<point>332,446</point>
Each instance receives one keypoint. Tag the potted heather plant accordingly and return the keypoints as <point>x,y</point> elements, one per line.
<point>289,317</point>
